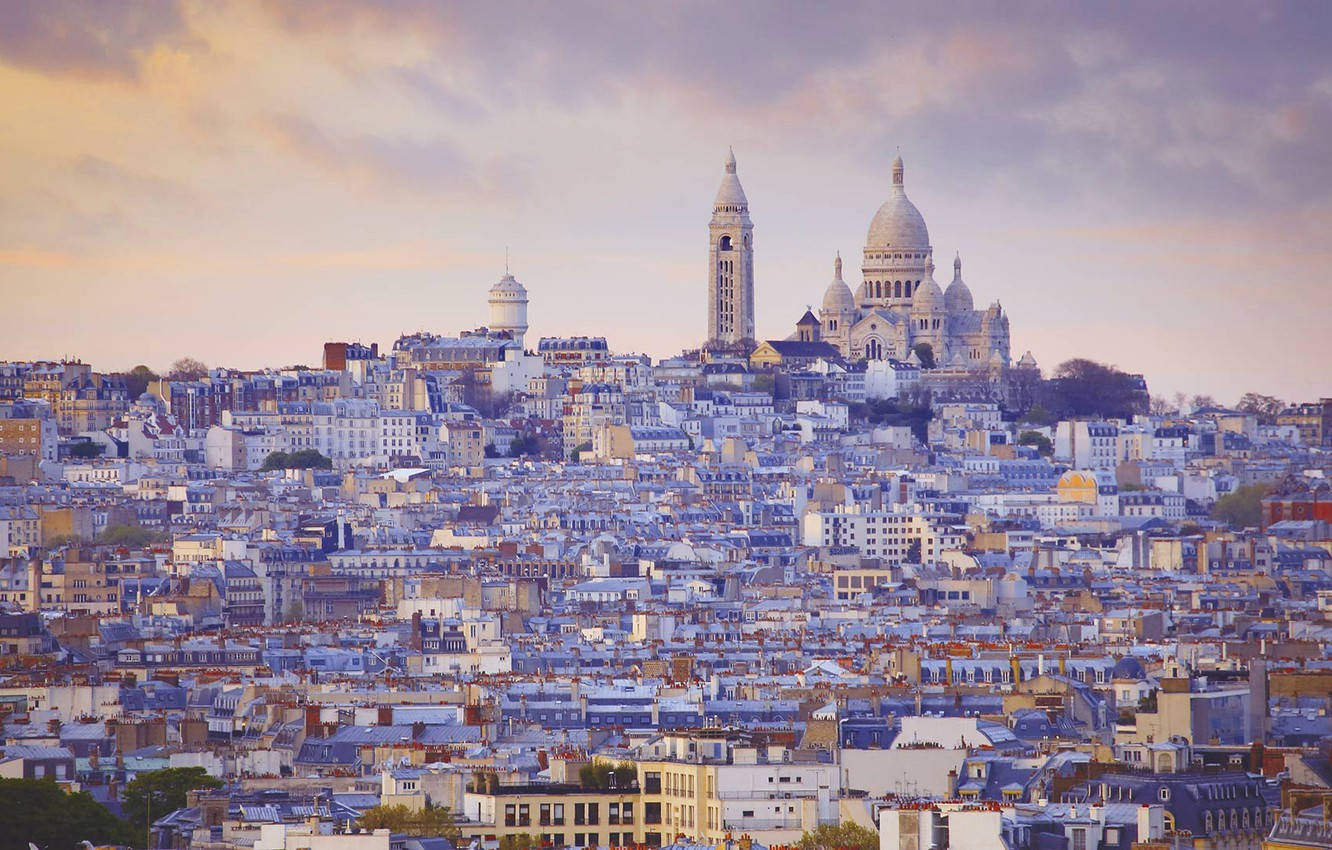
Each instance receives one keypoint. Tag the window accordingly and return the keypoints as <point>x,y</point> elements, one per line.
<point>626,813</point>
<point>652,813</point>
<point>1079,839</point>
<point>593,813</point>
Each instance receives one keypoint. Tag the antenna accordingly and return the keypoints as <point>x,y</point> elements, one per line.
<point>506,259</point>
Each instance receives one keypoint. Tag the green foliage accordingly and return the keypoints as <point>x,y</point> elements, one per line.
<point>913,552</point>
<point>294,612</point>
<point>1035,438</point>
<point>1266,407</point>
<point>520,842</point>
<point>132,535</point>
<point>842,836</point>
<point>925,354</point>
<point>303,459</point>
<point>39,811</point>
<point>525,446</point>
<point>1242,508</point>
<point>430,822</point>
<point>158,793</point>
<point>86,450</point>
<point>585,446</point>
<point>1086,388</point>
<point>764,383</point>
<point>1039,414</point>
<point>138,379</point>
<point>491,451</point>
<point>901,412</point>
<point>598,775</point>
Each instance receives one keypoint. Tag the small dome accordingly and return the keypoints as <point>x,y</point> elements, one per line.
<point>837,298</point>
<point>730,193</point>
<point>508,285</point>
<point>898,224</point>
<point>928,296</point>
<point>957,298</point>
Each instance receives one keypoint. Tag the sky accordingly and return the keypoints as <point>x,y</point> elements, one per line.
<point>1145,184</point>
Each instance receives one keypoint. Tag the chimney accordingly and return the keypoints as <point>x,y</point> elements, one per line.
<point>418,730</point>
<point>416,631</point>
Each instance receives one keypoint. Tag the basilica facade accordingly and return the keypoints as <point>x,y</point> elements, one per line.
<point>899,304</point>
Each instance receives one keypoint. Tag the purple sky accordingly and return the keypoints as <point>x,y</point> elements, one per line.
<point>1141,183</point>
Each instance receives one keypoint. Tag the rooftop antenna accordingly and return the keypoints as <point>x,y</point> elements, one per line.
<point>506,259</point>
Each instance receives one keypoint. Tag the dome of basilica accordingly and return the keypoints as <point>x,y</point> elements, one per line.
<point>898,224</point>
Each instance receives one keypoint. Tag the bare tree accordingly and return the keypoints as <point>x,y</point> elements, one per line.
<point>187,369</point>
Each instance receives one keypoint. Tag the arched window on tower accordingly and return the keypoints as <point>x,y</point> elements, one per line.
<point>873,349</point>
<point>724,244</point>
<point>906,290</point>
<point>897,289</point>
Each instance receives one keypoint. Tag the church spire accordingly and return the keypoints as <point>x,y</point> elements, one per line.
<point>898,172</point>
<point>957,266</point>
<point>837,267</point>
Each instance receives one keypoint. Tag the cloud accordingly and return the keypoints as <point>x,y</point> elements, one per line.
<point>88,39</point>
<point>433,164</point>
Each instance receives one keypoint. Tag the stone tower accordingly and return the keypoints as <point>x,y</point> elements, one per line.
<point>730,268</point>
<point>508,307</point>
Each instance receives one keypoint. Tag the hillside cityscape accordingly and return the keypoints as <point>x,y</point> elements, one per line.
<point>867,577</point>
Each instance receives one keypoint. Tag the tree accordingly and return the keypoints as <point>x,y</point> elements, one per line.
<point>1243,508</point>
<point>1035,438</point>
<point>491,451</point>
<point>1083,387</point>
<point>138,379</point>
<point>1266,407</point>
<point>86,450</point>
<point>1198,402</point>
<point>1159,405</point>
<point>42,812</point>
<point>158,793</point>
<point>925,354</point>
<point>520,842</point>
<point>842,836</point>
<point>430,822</point>
<point>603,775</point>
<point>132,535</point>
<point>303,459</point>
<point>585,446</point>
<point>294,612</point>
<point>913,552</point>
<point>187,369</point>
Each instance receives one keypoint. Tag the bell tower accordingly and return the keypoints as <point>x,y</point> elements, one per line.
<point>730,268</point>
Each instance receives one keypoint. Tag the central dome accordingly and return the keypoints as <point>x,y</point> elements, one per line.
<point>898,225</point>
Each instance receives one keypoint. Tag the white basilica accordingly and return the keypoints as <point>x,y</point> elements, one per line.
<point>899,305</point>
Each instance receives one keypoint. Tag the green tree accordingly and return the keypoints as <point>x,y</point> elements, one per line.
<point>430,822</point>
<point>925,354</point>
<point>302,459</point>
<point>158,793</point>
<point>585,446</point>
<point>603,775</point>
<point>138,379</point>
<point>308,459</point>
<point>842,836</point>
<point>41,812</point>
<point>275,461</point>
<point>913,552</point>
<point>1037,439</point>
<point>491,451</point>
<point>520,842</point>
<point>1243,508</point>
<point>294,612</point>
<point>1266,407</point>
<point>1083,387</point>
<point>132,535</point>
<point>86,450</point>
